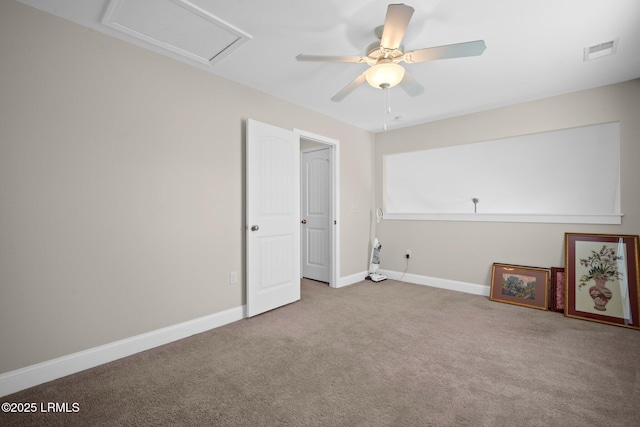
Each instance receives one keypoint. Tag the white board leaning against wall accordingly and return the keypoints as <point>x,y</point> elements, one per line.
<point>567,176</point>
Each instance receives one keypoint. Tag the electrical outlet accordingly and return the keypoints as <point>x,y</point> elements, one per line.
<point>233,277</point>
<point>407,254</point>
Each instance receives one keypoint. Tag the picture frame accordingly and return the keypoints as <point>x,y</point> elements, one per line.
<point>520,285</point>
<point>556,290</point>
<point>601,278</point>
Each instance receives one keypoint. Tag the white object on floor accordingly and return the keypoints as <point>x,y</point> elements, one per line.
<point>374,263</point>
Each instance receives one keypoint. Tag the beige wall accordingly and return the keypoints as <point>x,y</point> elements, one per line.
<point>465,251</point>
<point>121,187</point>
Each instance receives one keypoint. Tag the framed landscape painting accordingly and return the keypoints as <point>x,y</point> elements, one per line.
<point>602,282</point>
<point>520,285</point>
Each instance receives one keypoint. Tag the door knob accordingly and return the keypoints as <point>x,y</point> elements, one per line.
<point>304,221</point>
<point>255,228</point>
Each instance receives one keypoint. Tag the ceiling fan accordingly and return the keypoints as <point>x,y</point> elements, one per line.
<point>384,57</point>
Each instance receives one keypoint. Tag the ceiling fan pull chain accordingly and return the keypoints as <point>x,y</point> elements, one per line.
<point>386,106</point>
<point>388,101</point>
<point>384,122</point>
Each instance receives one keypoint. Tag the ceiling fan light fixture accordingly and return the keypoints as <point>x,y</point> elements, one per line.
<point>385,75</point>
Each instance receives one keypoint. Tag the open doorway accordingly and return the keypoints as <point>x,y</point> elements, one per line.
<point>319,176</point>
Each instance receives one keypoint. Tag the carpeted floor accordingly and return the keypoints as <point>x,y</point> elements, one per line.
<point>370,354</point>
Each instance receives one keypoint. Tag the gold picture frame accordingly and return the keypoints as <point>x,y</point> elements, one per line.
<point>520,285</point>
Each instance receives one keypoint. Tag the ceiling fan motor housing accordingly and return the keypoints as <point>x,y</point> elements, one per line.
<point>377,53</point>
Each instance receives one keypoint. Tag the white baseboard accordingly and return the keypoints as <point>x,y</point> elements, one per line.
<point>33,375</point>
<point>453,285</point>
<point>353,278</point>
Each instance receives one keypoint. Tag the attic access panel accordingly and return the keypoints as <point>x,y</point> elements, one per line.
<point>178,26</point>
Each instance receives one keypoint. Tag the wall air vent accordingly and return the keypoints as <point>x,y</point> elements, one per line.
<point>178,26</point>
<point>600,50</point>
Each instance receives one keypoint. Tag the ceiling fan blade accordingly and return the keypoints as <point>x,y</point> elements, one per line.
<point>395,25</point>
<point>349,88</point>
<point>457,50</point>
<point>324,58</point>
<point>411,85</point>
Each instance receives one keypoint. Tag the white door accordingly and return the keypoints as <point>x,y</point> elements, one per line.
<point>316,215</point>
<point>273,217</point>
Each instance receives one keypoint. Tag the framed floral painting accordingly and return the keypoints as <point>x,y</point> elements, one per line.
<point>601,278</point>
<point>556,288</point>
<point>520,285</point>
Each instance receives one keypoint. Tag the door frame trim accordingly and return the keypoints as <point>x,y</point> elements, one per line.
<point>334,153</point>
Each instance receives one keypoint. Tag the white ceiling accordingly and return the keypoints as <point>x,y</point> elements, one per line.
<point>534,50</point>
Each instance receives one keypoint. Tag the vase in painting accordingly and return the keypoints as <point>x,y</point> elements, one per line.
<point>600,294</point>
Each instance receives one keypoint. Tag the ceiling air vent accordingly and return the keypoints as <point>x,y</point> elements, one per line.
<point>600,50</point>
<point>178,26</point>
